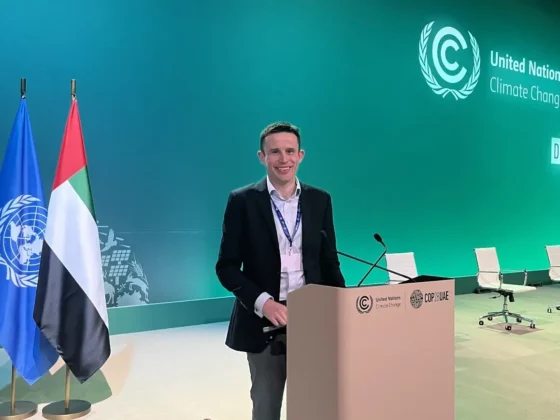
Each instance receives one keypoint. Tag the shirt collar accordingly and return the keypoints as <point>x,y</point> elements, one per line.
<point>272,190</point>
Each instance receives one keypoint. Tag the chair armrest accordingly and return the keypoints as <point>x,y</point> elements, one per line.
<point>511,271</point>
<point>499,273</point>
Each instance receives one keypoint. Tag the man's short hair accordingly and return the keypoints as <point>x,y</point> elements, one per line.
<point>280,127</point>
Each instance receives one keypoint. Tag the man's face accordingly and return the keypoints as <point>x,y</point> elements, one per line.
<point>281,157</point>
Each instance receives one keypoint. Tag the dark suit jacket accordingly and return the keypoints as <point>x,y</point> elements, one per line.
<point>249,257</point>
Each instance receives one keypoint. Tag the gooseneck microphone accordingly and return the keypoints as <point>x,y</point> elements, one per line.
<point>377,237</point>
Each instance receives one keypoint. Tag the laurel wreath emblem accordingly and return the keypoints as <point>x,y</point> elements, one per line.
<point>468,88</point>
<point>29,280</point>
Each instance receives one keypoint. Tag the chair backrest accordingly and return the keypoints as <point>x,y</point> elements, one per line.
<point>403,263</point>
<point>488,266</point>
<point>553,252</point>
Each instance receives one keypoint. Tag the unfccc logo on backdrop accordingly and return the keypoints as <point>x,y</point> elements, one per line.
<point>442,49</point>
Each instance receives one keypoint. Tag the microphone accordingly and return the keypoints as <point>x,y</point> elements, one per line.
<point>378,238</point>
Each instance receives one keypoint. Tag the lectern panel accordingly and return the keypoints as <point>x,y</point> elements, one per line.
<point>379,352</point>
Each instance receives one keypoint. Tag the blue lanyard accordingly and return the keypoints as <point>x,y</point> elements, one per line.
<point>283,222</point>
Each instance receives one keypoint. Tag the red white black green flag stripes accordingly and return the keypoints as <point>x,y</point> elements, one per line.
<point>70,304</point>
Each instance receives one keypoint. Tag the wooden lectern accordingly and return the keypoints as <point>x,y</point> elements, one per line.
<point>381,352</point>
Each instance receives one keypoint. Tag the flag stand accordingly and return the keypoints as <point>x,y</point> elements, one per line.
<point>16,410</point>
<point>67,409</point>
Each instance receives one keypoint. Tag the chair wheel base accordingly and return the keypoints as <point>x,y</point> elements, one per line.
<point>507,315</point>
<point>508,327</point>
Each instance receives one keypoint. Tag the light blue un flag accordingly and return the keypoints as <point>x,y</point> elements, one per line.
<point>23,217</point>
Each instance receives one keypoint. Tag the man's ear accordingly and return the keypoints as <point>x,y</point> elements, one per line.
<point>261,156</point>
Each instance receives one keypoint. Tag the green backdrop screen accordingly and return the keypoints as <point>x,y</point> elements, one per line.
<point>438,145</point>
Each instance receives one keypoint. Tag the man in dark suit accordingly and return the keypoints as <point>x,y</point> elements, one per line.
<point>271,245</point>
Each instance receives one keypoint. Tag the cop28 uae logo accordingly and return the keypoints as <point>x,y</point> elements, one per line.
<point>448,71</point>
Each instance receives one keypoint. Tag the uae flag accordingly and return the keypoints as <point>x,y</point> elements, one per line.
<point>70,304</point>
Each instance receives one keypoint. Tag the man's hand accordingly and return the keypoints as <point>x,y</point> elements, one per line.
<point>275,312</point>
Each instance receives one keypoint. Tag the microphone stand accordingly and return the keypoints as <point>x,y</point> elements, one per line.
<point>373,265</point>
<point>378,238</point>
<point>394,272</point>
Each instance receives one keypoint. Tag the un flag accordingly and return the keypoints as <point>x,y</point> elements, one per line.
<point>23,218</point>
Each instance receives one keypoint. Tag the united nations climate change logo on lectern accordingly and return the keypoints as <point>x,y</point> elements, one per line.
<point>22,225</point>
<point>444,50</point>
<point>364,304</point>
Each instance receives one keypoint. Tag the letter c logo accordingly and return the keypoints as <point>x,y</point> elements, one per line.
<point>439,53</point>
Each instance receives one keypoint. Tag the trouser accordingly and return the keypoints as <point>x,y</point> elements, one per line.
<point>268,379</point>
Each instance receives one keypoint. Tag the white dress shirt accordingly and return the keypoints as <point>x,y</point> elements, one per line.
<point>291,276</point>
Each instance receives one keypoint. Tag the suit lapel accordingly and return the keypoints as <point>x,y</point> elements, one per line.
<point>263,199</point>
<point>305,206</point>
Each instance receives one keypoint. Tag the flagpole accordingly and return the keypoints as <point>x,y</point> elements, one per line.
<point>17,410</point>
<point>67,409</point>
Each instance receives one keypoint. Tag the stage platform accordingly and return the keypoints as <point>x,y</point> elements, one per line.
<point>189,374</point>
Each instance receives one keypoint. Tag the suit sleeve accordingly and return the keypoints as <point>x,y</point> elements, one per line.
<point>228,266</point>
<point>329,258</point>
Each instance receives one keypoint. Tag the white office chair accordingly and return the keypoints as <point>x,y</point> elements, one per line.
<point>490,277</point>
<point>553,252</point>
<point>403,263</point>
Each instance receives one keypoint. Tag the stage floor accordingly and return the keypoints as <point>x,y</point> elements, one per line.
<point>188,373</point>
